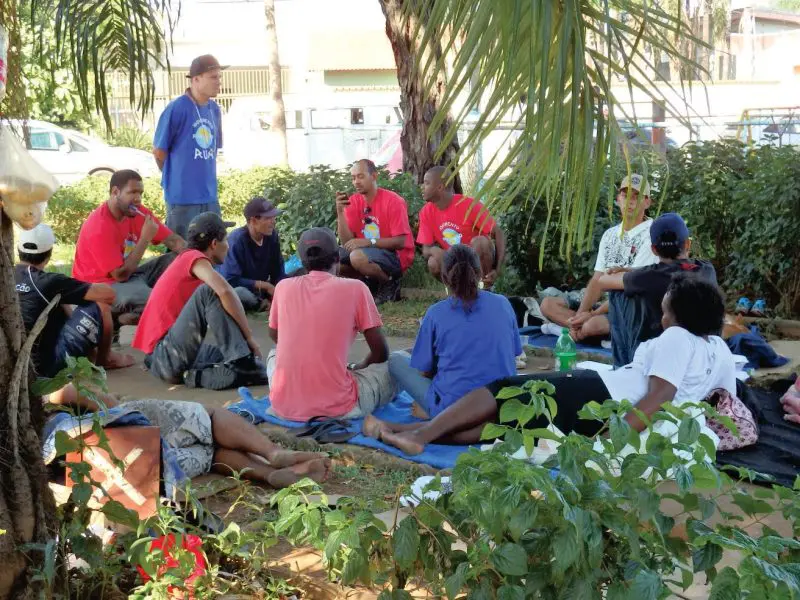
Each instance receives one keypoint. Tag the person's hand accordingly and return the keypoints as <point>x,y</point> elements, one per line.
<point>356,243</point>
<point>255,348</point>
<point>342,201</point>
<point>490,278</point>
<point>149,229</point>
<point>579,319</point>
<point>615,270</point>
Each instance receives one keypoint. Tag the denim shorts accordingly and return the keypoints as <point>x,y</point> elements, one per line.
<point>81,334</point>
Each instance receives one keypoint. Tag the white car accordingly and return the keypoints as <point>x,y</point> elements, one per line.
<point>71,155</point>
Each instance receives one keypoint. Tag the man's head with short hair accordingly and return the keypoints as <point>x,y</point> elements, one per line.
<point>205,75</point>
<point>670,236</point>
<point>35,246</point>
<point>318,249</point>
<point>364,175</point>
<point>436,184</point>
<point>633,198</point>
<point>125,192</point>
<point>207,233</point>
<point>693,303</point>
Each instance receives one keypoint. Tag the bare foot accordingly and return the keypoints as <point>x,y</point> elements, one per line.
<point>114,360</point>
<point>374,427</point>
<point>405,441</point>
<point>419,412</point>
<point>128,319</point>
<point>313,469</point>
<point>286,458</point>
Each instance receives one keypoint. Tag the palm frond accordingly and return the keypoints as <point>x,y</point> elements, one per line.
<point>102,37</point>
<point>561,57</point>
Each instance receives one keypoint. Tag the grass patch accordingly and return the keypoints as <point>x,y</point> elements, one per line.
<point>401,319</point>
<point>377,486</point>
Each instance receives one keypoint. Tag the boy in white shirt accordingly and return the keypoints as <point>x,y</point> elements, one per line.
<point>624,246</point>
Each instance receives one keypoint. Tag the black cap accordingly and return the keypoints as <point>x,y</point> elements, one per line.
<point>320,239</point>
<point>205,226</point>
<point>669,230</point>
<point>260,207</point>
<point>204,64</point>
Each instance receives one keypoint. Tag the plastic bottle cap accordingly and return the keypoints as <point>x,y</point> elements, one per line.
<point>565,330</point>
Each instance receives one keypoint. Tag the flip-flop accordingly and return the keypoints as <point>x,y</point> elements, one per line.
<point>312,425</point>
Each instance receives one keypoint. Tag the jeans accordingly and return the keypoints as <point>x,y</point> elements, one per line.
<point>628,320</point>
<point>180,215</point>
<point>250,301</point>
<point>408,378</point>
<point>204,334</point>
<point>133,294</point>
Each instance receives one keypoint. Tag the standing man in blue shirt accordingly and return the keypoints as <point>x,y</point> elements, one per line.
<point>186,142</point>
<point>254,264</point>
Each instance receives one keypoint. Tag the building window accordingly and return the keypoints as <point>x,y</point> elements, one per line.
<point>356,116</point>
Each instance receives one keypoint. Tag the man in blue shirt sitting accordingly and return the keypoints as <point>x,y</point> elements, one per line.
<point>254,264</point>
<point>187,140</point>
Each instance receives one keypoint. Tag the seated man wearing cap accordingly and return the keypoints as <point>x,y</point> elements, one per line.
<point>254,264</point>
<point>624,245</point>
<point>194,329</point>
<point>113,240</point>
<point>314,320</point>
<point>636,294</point>
<point>185,145</point>
<point>79,325</point>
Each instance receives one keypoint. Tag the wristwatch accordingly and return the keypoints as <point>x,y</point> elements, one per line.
<point>373,241</point>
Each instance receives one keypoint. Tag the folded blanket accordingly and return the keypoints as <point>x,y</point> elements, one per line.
<point>440,456</point>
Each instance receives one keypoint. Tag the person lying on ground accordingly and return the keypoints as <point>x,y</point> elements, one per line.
<point>213,439</point>
<point>81,323</point>
<point>113,240</point>
<point>194,329</point>
<point>682,365</point>
<point>631,325</point>
<point>313,321</point>
<point>448,219</point>
<point>377,242</point>
<point>624,245</point>
<point>254,263</point>
<point>465,342</point>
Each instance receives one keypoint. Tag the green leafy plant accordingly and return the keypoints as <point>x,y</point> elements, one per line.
<point>131,137</point>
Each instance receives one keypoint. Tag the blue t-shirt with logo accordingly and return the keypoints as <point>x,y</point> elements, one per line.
<point>191,135</point>
<point>466,350</point>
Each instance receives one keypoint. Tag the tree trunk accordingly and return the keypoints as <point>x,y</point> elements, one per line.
<point>419,143</point>
<point>25,499</point>
<point>278,122</point>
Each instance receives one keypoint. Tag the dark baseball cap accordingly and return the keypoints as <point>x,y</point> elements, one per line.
<point>318,241</point>
<point>204,64</point>
<point>260,207</point>
<point>207,225</point>
<point>669,230</point>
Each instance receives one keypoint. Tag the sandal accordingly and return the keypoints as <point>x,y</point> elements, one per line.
<point>743,306</point>
<point>326,430</point>
<point>759,308</point>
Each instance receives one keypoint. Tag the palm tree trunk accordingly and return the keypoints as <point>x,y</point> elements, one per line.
<point>418,142</point>
<point>278,124</point>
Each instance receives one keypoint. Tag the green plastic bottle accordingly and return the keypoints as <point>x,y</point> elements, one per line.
<point>565,351</point>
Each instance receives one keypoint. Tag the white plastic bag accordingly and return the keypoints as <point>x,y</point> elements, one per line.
<point>25,187</point>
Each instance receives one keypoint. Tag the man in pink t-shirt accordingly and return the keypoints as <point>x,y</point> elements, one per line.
<point>113,240</point>
<point>448,219</point>
<point>374,231</point>
<point>314,320</point>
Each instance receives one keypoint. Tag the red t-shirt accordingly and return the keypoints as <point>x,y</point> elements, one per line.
<point>317,317</point>
<point>104,243</point>
<point>170,294</point>
<point>463,220</point>
<point>387,217</point>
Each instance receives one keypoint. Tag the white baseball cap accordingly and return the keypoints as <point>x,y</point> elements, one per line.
<point>635,181</point>
<point>38,240</point>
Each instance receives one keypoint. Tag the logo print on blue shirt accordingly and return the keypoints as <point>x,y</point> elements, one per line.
<point>203,137</point>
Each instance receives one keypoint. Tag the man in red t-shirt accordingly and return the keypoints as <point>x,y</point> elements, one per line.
<point>113,240</point>
<point>373,229</point>
<point>448,219</point>
<point>198,334</point>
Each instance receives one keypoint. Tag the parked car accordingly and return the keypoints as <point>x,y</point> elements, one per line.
<point>71,155</point>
